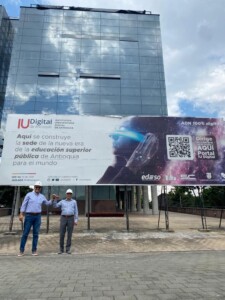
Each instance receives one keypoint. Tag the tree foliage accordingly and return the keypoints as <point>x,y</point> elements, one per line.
<point>188,196</point>
<point>181,197</point>
<point>214,196</point>
<point>7,194</point>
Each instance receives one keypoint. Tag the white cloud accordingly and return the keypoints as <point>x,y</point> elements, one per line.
<point>194,54</point>
<point>14,2</point>
<point>208,92</point>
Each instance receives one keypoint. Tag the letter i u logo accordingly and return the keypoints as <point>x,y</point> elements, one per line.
<point>21,123</point>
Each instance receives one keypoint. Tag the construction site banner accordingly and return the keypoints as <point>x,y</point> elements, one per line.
<point>94,150</point>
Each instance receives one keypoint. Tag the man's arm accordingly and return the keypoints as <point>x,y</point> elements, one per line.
<point>56,204</point>
<point>23,207</point>
<point>50,202</point>
<point>75,212</point>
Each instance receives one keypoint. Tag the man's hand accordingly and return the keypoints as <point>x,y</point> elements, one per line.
<point>55,197</point>
<point>143,153</point>
<point>75,223</point>
<point>21,217</point>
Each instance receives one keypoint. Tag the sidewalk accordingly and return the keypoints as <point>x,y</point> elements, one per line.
<point>109,235</point>
<point>109,263</point>
<point>127,276</point>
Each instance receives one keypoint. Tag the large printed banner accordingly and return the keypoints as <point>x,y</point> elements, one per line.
<point>91,150</point>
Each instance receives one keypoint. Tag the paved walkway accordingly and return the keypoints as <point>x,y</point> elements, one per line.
<point>109,263</point>
<point>130,276</point>
<point>109,235</point>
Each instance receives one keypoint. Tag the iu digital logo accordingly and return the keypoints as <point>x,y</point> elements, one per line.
<point>21,123</point>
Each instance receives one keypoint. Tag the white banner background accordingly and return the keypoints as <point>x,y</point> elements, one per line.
<point>90,150</point>
<point>58,150</point>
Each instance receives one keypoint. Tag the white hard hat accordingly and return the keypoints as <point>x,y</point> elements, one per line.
<point>38,183</point>
<point>69,191</point>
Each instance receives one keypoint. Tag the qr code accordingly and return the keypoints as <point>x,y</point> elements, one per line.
<point>179,147</point>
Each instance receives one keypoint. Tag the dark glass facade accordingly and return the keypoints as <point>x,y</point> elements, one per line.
<point>85,61</point>
<point>6,40</point>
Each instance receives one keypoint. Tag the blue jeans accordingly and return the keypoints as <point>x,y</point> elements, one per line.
<point>31,221</point>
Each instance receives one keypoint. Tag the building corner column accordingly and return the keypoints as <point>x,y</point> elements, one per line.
<point>155,204</point>
<point>133,208</point>
<point>138,197</point>
<point>145,199</point>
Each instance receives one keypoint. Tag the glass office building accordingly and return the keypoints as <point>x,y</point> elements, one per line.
<point>84,61</point>
<point>6,40</point>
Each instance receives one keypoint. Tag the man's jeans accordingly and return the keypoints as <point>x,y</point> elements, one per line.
<point>35,221</point>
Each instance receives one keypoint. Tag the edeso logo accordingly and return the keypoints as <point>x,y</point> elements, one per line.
<point>150,177</point>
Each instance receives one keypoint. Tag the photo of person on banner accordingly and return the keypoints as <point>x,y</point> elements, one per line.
<point>136,150</point>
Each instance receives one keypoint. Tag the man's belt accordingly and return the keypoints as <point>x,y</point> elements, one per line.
<point>67,216</point>
<point>33,213</point>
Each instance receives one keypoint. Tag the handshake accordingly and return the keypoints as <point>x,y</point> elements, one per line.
<point>55,197</point>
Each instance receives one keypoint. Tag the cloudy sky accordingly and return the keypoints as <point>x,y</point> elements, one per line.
<point>193,46</point>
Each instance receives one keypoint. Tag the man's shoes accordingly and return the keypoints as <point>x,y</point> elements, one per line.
<point>68,252</point>
<point>60,252</point>
<point>34,253</point>
<point>21,254</point>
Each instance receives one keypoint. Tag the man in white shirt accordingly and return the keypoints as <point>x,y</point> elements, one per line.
<point>31,209</point>
<point>69,218</point>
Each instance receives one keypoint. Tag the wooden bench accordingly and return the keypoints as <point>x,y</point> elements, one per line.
<point>105,214</point>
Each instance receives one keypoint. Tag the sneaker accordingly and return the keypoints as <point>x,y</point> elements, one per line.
<point>21,254</point>
<point>60,252</point>
<point>68,252</point>
<point>34,254</point>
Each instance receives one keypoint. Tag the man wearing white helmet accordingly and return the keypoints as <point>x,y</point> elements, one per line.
<point>31,208</point>
<point>69,218</point>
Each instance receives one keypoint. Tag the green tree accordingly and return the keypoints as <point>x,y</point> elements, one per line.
<point>188,196</point>
<point>181,196</point>
<point>7,194</point>
<point>214,196</point>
